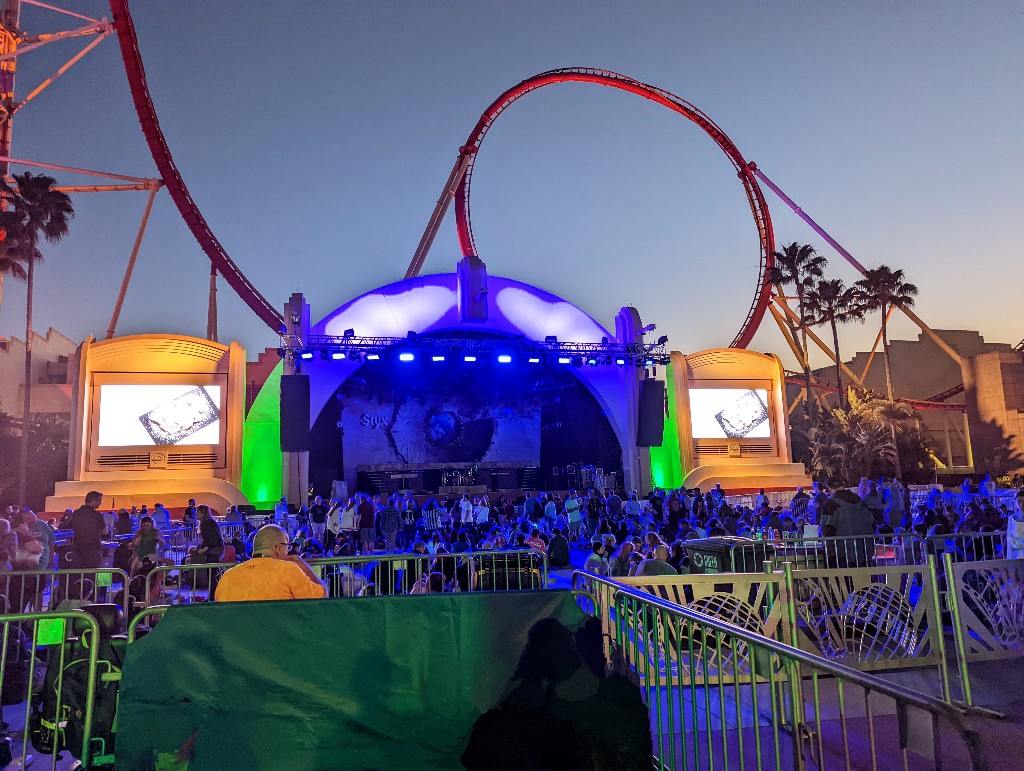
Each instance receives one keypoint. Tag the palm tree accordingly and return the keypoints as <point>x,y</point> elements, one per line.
<point>832,302</point>
<point>883,289</point>
<point>800,266</point>
<point>10,262</point>
<point>860,439</point>
<point>36,209</point>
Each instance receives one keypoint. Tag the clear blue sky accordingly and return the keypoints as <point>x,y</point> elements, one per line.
<point>316,137</point>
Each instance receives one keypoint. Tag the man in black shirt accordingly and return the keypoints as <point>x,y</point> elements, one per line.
<point>89,527</point>
<point>191,516</point>
<point>318,518</point>
<point>594,507</point>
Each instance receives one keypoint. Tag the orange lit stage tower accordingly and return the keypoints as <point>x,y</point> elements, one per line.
<point>156,418</point>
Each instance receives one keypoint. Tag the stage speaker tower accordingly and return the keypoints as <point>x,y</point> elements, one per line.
<point>651,419</point>
<point>294,413</point>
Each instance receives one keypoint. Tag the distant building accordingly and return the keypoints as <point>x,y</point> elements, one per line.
<point>51,392</point>
<point>992,374</point>
<point>994,386</point>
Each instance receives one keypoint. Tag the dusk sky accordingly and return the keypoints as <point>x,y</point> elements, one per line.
<point>316,137</point>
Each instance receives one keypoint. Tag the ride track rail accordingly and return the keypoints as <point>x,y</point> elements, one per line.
<point>934,403</point>
<point>222,263</point>
<point>744,170</point>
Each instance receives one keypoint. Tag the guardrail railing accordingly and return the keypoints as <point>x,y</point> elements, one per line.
<point>50,590</point>
<point>182,584</point>
<point>50,664</point>
<point>755,702</point>
<point>403,573</point>
<point>986,603</point>
<point>510,570</point>
<point>878,618</point>
<point>825,551</point>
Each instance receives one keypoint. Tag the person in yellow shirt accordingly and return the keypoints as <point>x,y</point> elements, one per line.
<point>272,574</point>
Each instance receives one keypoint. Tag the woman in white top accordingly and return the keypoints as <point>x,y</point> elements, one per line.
<point>333,526</point>
<point>349,518</point>
<point>550,509</point>
<point>467,507</point>
<point>482,512</point>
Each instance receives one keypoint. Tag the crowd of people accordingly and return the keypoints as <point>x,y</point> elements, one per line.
<point>620,531</point>
<point>622,534</point>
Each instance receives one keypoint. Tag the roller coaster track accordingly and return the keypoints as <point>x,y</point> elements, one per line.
<point>175,185</point>
<point>948,394</point>
<point>918,404</point>
<point>458,186</point>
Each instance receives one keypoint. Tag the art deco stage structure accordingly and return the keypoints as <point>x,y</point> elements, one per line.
<point>452,383</point>
<point>155,418</point>
<point>465,382</point>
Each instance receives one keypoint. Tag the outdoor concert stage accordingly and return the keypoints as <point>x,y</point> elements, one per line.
<point>465,382</point>
<point>457,383</point>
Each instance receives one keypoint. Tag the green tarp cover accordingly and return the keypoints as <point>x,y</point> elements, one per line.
<point>441,681</point>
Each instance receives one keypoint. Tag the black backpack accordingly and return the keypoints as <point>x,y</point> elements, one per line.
<point>51,731</point>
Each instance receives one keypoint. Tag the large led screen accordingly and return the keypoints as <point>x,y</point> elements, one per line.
<point>133,415</point>
<point>729,413</point>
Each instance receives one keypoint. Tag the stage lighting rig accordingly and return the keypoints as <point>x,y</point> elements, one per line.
<point>473,349</point>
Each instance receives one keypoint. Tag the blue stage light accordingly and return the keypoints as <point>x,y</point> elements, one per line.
<point>504,359</point>
<point>406,356</point>
<point>306,355</point>
<point>648,362</point>
<point>592,361</point>
<point>469,358</point>
<point>337,355</point>
<point>564,359</point>
<point>534,360</point>
<point>620,361</point>
<point>373,357</point>
<point>437,357</point>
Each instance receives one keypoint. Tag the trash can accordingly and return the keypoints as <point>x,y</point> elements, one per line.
<point>722,554</point>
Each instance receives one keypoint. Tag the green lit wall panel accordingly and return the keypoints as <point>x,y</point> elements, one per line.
<point>666,470</point>
<point>262,460</point>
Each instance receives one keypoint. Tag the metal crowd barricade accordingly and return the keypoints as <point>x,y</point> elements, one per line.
<point>755,702</point>
<point>958,500</point>
<point>402,573</point>
<point>183,584</point>
<point>27,641</point>
<point>966,547</point>
<point>808,552</point>
<point>46,590</point>
<point>144,620</point>
<point>178,539</point>
<point>871,618</point>
<point>755,601</point>
<point>229,530</point>
<point>986,603</point>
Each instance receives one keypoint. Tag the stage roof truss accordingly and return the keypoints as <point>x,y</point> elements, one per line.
<point>605,353</point>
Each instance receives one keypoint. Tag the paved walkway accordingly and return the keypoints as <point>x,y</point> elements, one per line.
<point>997,685</point>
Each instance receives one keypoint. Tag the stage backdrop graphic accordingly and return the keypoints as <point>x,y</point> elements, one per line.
<point>439,430</point>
